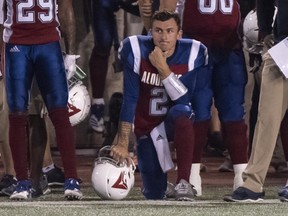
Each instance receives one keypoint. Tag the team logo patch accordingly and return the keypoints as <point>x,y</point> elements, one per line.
<point>73,110</point>
<point>121,183</point>
<point>160,137</point>
<point>14,49</point>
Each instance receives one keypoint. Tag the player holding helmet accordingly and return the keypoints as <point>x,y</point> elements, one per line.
<point>111,179</point>
<point>157,101</point>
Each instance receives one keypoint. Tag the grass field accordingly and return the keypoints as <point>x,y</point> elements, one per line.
<point>209,204</point>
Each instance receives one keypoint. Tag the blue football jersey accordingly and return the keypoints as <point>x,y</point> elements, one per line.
<point>146,101</point>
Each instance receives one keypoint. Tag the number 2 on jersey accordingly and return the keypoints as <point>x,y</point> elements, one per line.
<point>158,102</point>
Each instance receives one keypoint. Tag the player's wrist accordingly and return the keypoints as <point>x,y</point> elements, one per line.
<point>164,72</point>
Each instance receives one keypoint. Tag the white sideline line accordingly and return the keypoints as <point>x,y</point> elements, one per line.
<point>83,204</point>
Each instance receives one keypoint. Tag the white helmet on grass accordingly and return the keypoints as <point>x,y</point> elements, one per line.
<point>112,180</point>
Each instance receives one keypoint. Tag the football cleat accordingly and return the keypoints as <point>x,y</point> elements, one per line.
<point>7,180</point>
<point>283,194</point>
<point>170,190</point>
<point>72,189</point>
<point>9,190</point>
<point>22,190</point>
<point>184,191</point>
<point>44,185</point>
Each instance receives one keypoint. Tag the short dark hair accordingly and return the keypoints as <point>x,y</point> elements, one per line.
<point>166,15</point>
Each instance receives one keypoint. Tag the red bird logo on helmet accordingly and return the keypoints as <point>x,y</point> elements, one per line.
<point>73,109</point>
<point>121,183</point>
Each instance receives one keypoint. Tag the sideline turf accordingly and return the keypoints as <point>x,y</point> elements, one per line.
<point>209,204</point>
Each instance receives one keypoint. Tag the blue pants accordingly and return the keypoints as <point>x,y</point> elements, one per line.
<point>104,25</point>
<point>228,82</point>
<point>154,180</point>
<point>229,78</point>
<point>45,62</point>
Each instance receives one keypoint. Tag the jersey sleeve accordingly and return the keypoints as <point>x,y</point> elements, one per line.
<point>130,81</point>
<point>198,61</point>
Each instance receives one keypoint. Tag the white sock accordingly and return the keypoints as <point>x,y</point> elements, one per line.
<point>195,178</point>
<point>98,101</point>
<point>238,179</point>
<point>48,168</point>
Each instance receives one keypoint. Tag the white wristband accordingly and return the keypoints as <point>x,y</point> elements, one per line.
<point>174,87</point>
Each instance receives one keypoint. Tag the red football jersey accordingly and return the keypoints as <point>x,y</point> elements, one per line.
<point>213,22</point>
<point>31,22</point>
<point>145,96</point>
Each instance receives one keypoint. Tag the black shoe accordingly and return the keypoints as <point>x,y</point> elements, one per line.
<point>41,188</point>
<point>9,190</point>
<point>44,185</point>
<point>243,194</point>
<point>7,180</point>
<point>36,192</point>
<point>283,194</point>
<point>55,177</point>
<point>170,190</point>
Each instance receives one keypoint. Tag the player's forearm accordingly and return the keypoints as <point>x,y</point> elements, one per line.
<point>68,25</point>
<point>124,131</point>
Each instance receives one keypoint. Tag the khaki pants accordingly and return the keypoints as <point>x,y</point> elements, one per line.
<point>5,151</point>
<point>3,115</point>
<point>273,105</point>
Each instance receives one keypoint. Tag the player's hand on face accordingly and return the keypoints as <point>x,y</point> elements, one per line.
<point>158,58</point>
<point>120,153</point>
